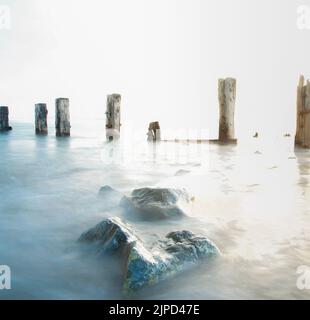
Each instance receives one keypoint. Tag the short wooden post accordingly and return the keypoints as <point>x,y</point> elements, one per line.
<point>302,138</point>
<point>154,132</point>
<point>4,119</point>
<point>113,115</point>
<point>227,100</point>
<point>41,119</point>
<point>62,117</point>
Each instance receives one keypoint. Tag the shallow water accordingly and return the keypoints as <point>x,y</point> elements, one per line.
<point>252,200</point>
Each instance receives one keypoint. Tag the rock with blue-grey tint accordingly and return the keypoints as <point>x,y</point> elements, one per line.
<point>110,196</point>
<point>110,236</point>
<point>145,265</point>
<point>157,203</point>
<point>170,256</point>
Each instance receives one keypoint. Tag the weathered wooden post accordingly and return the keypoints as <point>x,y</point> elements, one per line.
<point>302,138</point>
<point>4,119</point>
<point>227,100</point>
<point>113,124</point>
<point>154,133</point>
<point>41,119</point>
<point>62,117</point>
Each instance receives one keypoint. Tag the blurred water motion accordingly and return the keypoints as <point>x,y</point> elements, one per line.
<point>252,200</point>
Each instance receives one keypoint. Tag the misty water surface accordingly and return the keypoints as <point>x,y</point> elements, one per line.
<point>252,200</point>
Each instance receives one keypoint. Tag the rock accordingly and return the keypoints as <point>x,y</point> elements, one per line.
<point>110,236</point>
<point>175,253</point>
<point>157,203</point>
<point>107,191</point>
<point>111,197</point>
<point>145,266</point>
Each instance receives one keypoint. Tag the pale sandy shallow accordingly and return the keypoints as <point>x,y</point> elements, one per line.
<point>254,205</point>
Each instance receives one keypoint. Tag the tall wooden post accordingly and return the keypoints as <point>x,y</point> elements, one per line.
<point>113,114</point>
<point>62,117</point>
<point>4,119</point>
<point>227,100</point>
<point>302,138</point>
<point>41,119</point>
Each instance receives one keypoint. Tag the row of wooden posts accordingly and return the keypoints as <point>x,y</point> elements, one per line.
<point>227,101</point>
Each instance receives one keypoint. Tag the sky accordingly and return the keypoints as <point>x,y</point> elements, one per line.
<point>164,56</point>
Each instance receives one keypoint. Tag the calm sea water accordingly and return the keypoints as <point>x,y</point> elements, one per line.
<point>252,200</point>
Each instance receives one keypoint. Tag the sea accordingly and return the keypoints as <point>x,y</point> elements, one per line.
<point>252,199</point>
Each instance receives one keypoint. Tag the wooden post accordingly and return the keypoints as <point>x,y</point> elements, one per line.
<point>154,133</point>
<point>4,119</point>
<point>62,117</point>
<point>41,119</point>
<point>302,138</point>
<point>227,100</point>
<point>113,114</point>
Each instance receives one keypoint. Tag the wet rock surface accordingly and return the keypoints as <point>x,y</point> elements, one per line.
<point>144,265</point>
<point>173,254</point>
<point>110,236</point>
<point>157,203</point>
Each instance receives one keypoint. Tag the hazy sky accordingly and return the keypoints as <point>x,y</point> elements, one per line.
<point>163,56</point>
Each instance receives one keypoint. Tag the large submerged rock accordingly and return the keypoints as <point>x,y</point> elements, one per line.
<point>177,251</point>
<point>110,236</point>
<point>147,266</point>
<point>157,203</point>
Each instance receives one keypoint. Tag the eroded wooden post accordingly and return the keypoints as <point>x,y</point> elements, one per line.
<point>113,114</point>
<point>4,119</point>
<point>62,117</point>
<point>227,101</point>
<point>302,138</point>
<point>154,132</point>
<point>41,119</point>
